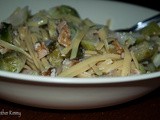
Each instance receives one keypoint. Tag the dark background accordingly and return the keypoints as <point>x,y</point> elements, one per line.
<point>153,4</point>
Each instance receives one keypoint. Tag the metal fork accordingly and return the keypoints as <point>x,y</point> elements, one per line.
<point>141,24</point>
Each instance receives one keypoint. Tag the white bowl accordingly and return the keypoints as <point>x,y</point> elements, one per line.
<point>78,93</point>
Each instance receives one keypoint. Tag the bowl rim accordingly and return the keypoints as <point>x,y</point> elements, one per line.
<point>67,80</point>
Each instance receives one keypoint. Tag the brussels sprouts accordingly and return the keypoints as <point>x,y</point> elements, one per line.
<point>38,19</point>
<point>144,50</point>
<point>6,32</point>
<point>19,16</point>
<point>152,29</point>
<point>91,39</point>
<point>12,61</point>
<point>63,10</point>
<point>55,58</point>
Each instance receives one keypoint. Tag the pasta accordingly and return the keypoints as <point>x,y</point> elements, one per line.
<point>126,63</point>
<point>59,43</point>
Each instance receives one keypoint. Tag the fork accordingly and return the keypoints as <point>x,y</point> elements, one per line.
<point>141,24</point>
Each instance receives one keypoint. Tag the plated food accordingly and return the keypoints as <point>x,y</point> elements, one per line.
<point>22,81</point>
<point>57,42</point>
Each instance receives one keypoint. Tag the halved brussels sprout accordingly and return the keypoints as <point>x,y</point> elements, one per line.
<point>12,61</point>
<point>6,32</point>
<point>144,50</point>
<point>63,10</point>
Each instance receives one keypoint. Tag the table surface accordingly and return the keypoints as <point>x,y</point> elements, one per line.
<point>143,108</point>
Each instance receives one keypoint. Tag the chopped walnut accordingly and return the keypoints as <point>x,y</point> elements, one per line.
<point>47,72</point>
<point>68,63</point>
<point>64,37</point>
<point>118,47</point>
<point>50,72</point>
<point>41,49</point>
<point>135,71</point>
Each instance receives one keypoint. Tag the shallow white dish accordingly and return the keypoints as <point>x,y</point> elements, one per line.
<point>78,93</point>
